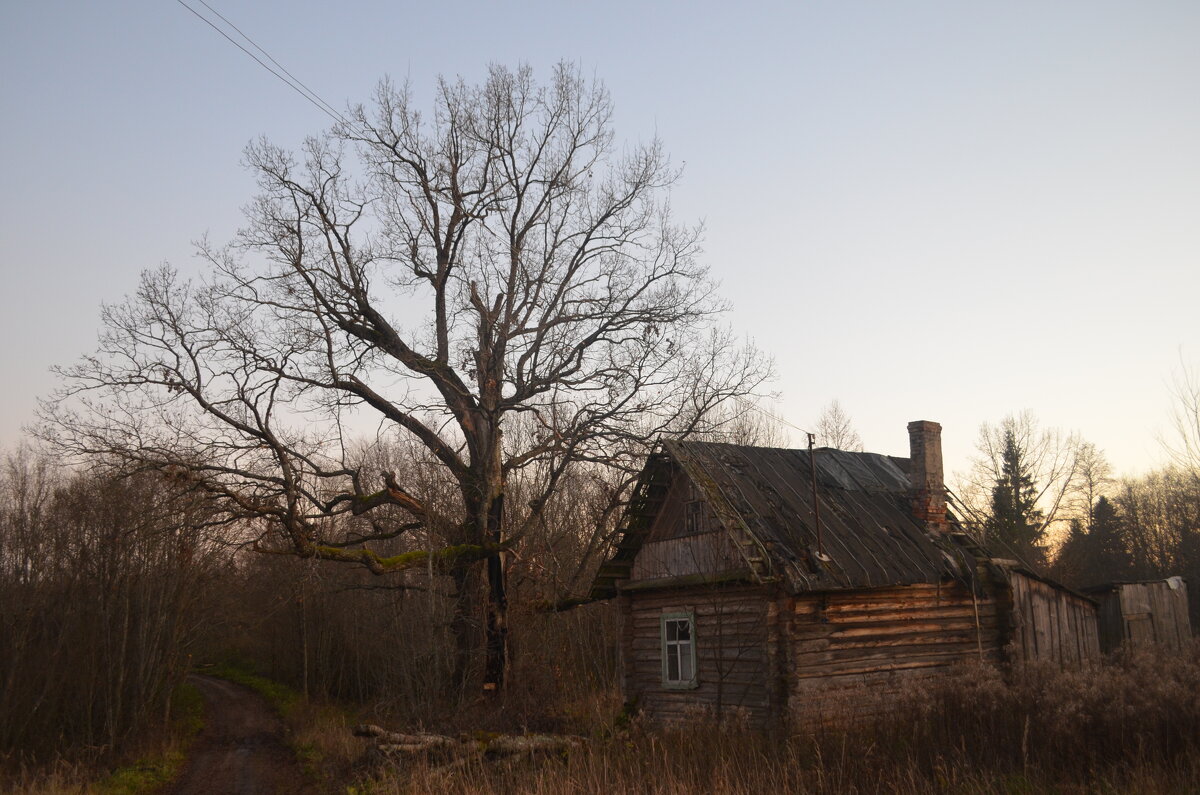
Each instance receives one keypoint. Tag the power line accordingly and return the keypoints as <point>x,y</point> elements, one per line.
<point>756,407</point>
<point>291,81</point>
<point>282,68</point>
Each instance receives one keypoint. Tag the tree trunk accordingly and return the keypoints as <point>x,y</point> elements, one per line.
<point>496,640</point>
<point>464,624</point>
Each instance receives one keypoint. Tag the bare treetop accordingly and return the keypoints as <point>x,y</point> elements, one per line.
<point>1184,447</point>
<point>446,274</point>
<point>834,429</point>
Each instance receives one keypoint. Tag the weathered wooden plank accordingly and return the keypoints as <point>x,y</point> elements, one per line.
<point>730,643</point>
<point>729,697</point>
<point>891,614</point>
<point>732,617</point>
<point>685,555</point>
<point>884,656</point>
<point>1051,623</point>
<point>888,643</point>
<point>893,667</point>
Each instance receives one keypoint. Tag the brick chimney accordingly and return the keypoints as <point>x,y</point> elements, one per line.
<point>925,475</point>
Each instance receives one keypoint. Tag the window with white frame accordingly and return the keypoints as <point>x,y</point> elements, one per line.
<point>678,650</point>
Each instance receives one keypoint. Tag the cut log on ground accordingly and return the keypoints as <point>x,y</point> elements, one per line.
<point>393,747</point>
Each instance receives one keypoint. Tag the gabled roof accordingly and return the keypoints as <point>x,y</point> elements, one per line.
<point>764,498</point>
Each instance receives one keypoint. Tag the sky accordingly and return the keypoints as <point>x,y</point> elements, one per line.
<point>925,210</point>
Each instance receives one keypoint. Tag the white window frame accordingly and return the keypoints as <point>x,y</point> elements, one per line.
<point>684,651</point>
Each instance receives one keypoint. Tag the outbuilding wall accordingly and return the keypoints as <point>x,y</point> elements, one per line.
<point>1145,613</point>
<point>1051,623</point>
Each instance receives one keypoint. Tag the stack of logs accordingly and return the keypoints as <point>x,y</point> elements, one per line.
<point>392,747</point>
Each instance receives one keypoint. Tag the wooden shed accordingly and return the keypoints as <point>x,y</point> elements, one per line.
<point>1147,613</point>
<point>779,584</point>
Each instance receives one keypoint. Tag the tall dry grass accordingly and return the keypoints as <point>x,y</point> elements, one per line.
<point>1131,725</point>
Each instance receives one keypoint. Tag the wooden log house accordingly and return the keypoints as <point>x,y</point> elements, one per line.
<point>778,585</point>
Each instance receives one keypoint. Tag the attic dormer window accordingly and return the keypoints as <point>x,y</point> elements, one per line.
<point>693,517</point>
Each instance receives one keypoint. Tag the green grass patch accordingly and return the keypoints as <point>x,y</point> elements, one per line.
<point>144,775</point>
<point>282,698</point>
<point>187,705</point>
<point>157,769</point>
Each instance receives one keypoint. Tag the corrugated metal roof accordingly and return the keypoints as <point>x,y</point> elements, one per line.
<point>869,535</point>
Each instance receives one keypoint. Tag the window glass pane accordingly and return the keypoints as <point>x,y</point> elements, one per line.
<point>678,651</point>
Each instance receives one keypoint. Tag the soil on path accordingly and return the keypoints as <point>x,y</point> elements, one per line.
<point>241,750</point>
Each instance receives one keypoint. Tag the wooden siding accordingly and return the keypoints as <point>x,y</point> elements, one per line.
<point>1143,614</point>
<point>1050,623</point>
<point>850,651</point>
<point>731,653</point>
<point>671,520</point>
<point>706,553</point>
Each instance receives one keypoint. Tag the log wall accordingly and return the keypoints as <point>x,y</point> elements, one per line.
<point>770,657</point>
<point>731,652</point>
<point>850,652</point>
<point>1052,624</point>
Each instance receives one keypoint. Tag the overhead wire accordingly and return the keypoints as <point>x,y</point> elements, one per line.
<point>756,407</point>
<point>315,99</point>
<point>271,58</point>
<point>290,80</point>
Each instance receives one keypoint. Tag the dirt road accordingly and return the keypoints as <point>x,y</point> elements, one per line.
<point>241,750</point>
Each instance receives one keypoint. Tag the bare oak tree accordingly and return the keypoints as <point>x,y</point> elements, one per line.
<point>439,277</point>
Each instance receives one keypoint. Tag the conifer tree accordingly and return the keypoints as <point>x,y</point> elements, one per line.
<point>1096,553</point>
<point>1073,562</point>
<point>1109,559</point>
<point>1014,518</point>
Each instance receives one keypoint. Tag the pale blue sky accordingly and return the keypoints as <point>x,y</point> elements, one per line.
<point>944,211</point>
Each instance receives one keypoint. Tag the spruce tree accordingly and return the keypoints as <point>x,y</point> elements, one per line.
<point>1074,562</point>
<point>1108,558</point>
<point>1015,519</point>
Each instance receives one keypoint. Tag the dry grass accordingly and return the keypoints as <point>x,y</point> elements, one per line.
<point>57,778</point>
<point>1132,725</point>
<point>145,767</point>
<point>676,764</point>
